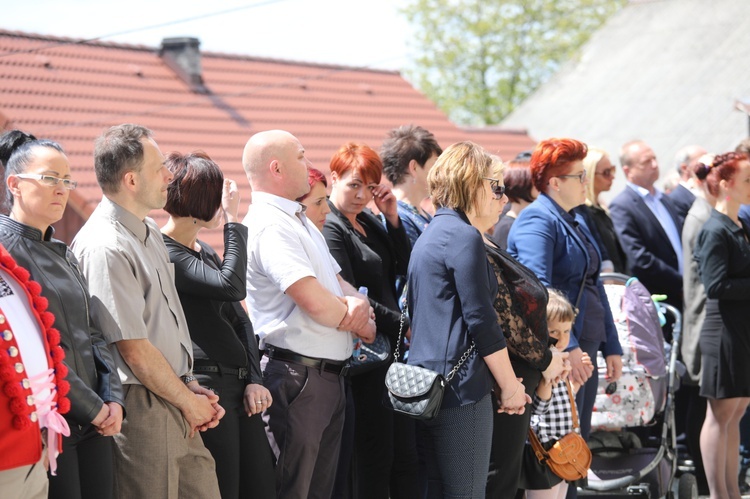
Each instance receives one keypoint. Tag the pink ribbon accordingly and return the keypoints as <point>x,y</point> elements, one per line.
<point>48,416</point>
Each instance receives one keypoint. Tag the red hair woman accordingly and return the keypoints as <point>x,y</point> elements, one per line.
<point>555,243</point>
<point>371,254</point>
<point>723,256</point>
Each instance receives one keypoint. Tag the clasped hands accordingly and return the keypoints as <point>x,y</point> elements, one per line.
<point>359,318</point>
<point>203,411</point>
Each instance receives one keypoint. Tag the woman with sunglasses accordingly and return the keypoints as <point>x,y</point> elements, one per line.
<point>559,248</point>
<point>601,173</point>
<point>39,182</point>
<point>451,287</point>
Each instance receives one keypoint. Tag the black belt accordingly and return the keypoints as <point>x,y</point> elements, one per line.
<point>200,366</point>
<point>339,367</point>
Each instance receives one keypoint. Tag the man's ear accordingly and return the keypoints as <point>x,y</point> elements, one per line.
<point>129,180</point>
<point>274,167</point>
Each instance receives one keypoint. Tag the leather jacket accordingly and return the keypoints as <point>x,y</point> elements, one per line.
<point>92,374</point>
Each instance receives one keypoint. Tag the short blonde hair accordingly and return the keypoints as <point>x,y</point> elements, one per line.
<point>456,179</point>
<point>559,308</point>
<point>593,156</point>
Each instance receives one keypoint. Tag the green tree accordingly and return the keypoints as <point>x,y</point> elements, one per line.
<point>478,59</point>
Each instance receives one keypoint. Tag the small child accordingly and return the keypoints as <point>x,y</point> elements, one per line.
<point>552,417</point>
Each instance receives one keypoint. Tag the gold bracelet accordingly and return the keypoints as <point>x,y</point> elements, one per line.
<point>502,399</point>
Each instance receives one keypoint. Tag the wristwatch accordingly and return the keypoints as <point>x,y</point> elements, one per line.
<point>187,378</point>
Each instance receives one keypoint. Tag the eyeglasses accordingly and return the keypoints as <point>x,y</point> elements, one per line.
<point>49,180</point>
<point>608,173</point>
<point>498,191</point>
<point>580,176</point>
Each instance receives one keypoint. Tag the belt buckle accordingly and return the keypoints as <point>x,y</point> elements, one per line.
<point>242,373</point>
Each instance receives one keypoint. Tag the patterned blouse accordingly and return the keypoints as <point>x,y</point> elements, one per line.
<point>415,222</point>
<point>521,307</point>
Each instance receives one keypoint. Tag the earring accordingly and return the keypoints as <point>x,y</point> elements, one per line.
<point>195,221</point>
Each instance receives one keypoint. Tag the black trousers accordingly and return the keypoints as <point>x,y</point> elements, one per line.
<point>372,459</point>
<point>244,460</point>
<point>85,467</point>
<point>508,440</point>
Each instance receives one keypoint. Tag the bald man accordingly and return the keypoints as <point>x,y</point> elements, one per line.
<point>305,314</point>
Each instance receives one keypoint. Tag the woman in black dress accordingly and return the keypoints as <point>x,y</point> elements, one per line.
<point>224,345</point>
<point>371,254</point>
<point>723,256</point>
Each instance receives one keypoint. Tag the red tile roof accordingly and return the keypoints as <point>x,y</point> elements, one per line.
<point>69,90</point>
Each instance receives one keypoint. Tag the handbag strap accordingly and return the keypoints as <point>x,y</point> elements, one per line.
<point>458,365</point>
<point>572,405</point>
<point>580,293</point>
<point>536,444</point>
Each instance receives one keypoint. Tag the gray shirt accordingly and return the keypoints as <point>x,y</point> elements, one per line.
<point>131,281</point>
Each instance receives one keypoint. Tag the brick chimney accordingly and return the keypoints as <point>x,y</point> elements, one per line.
<point>183,56</point>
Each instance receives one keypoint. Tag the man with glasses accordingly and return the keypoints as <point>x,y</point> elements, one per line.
<point>648,224</point>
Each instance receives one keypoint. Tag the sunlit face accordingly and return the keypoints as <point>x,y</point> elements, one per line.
<point>560,330</point>
<point>294,163</point>
<point>604,175</point>
<point>350,193</point>
<point>153,177</point>
<point>644,169</point>
<point>738,188</point>
<point>488,207</point>
<point>317,205</point>
<point>572,192</point>
<point>34,203</point>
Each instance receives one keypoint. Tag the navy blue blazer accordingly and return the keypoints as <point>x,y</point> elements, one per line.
<point>682,199</point>
<point>542,240</point>
<point>651,257</point>
<point>450,296</point>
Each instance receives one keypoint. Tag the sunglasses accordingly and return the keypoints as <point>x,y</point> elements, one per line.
<point>608,173</point>
<point>498,191</point>
<point>580,176</point>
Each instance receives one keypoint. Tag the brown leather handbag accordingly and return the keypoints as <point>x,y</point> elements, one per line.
<point>570,457</point>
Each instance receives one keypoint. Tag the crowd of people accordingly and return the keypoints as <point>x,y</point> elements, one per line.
<point>131,367</point>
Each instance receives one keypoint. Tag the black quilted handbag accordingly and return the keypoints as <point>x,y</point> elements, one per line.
<point>416,391</point>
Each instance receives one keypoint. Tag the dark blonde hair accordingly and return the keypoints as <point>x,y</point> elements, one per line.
<point>455,180</point>
<point>559,308</point>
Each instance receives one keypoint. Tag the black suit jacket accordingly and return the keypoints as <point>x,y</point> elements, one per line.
<point>682,199</point>
<point>651,257</point>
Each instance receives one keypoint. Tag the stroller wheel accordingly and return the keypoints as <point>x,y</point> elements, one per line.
<point>687,487</point>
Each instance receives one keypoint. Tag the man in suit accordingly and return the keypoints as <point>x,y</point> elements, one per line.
<point>681,196</point>
<point>648,224</point>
